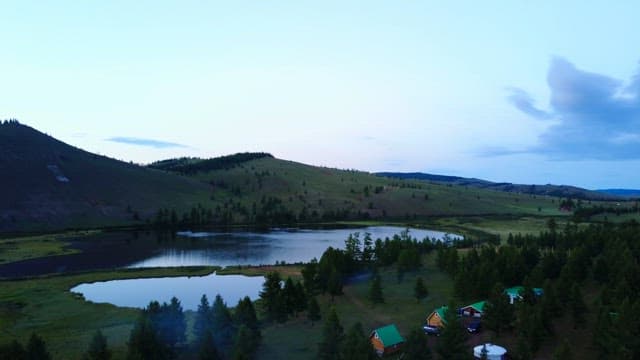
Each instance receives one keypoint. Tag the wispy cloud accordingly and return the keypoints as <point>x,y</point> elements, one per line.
<point>598,117</point>
<point>158,144</point>
<point>524,102</point>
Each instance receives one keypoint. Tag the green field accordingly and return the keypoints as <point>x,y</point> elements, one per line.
<point>65,320</point>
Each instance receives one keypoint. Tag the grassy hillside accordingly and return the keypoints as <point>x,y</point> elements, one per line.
<point>566,191</point>
<point>270,189</point>
<point>47,184</point>
<point>50,185</point>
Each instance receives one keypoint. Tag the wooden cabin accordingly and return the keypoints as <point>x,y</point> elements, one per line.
<point>386,340</point>
<point>436,318</point>
<point>474,310</point>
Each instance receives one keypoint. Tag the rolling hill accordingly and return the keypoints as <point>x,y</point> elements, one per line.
<point>565,191</point>
<point>49,185</point>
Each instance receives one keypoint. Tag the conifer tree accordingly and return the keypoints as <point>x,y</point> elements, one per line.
<point>451,344</point>
<point>207,348</point>
<point>271,294</point>
<point>417,347</point>
<point>202,323</point>
<point>313,310</point>
<point>357,345</point>
<point>334,285</point>
<point>420,290</point>
<point>222,324</point>
<point>144,342</point>
<point>498,312</point>
<point>375,290</point>
<point>98,349</point>
<point>332,337</point>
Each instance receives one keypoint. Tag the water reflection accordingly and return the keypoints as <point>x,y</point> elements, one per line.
<point>139,292</point>
<point>112,250</point>
<point>248,248</point>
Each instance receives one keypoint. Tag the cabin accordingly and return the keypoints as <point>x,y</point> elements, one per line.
<point>474,310</point>
<point>515,293</point>
<point>386,340</point>
<point>436,318</point>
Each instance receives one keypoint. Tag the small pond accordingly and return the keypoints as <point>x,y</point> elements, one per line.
<point>138,293</point>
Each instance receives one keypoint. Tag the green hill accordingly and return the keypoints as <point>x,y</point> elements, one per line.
<point>47,184</point>
<point>270,190</point>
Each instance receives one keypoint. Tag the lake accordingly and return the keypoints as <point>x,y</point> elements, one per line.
<point>138,249</point>
<point>188,289</point>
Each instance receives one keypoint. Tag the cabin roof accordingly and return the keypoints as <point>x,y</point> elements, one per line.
<point>514,291</point>
<point>478,306</point>
<point>389,335</point>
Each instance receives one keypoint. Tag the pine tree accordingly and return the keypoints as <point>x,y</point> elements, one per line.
<point>245,316</point>
<point>417,347</point>
<point>310,277</point>
<point>222,324</point>
<point>375,290</point>
<point>37,349</point>
<point>334,285</point>
<point>300,298</point>
<point>357,345</point>
<point>332,337</point>
<point>245,343</point>
<point>289,296</point>
<point>98,349</point>
<point>420,290</point>
<point>176,322</point>
<point>202,324</point>
<point>207,349</point>
<point>144,342</point>
<point>498,313</point>
<point>271,294</point>
<point>451,344</point>
<point>313,310</point>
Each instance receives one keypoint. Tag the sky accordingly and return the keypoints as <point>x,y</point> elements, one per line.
<point>519,91</point>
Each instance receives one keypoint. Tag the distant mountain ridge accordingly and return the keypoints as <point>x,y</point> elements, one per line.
<point>565,191</point>
<point>627,193</point>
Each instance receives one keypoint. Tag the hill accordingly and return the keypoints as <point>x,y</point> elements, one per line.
<point>625,193</point>
<point>50,185</point>
<point>266,190</point>
<point>47,184</point>
<point>564,191</point>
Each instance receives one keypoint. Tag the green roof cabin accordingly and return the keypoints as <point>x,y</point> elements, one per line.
<point>516,292</point>
<point>436,318</point>
<point>386,340</point>
<point>474,310</point>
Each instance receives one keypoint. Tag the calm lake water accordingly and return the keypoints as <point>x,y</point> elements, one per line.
<point>139,292</point>
<point>206,248</point>
<point>137,249</point>
<point>249,248</point>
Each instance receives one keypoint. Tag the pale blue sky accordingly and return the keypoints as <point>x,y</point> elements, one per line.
<point>502,90</point>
